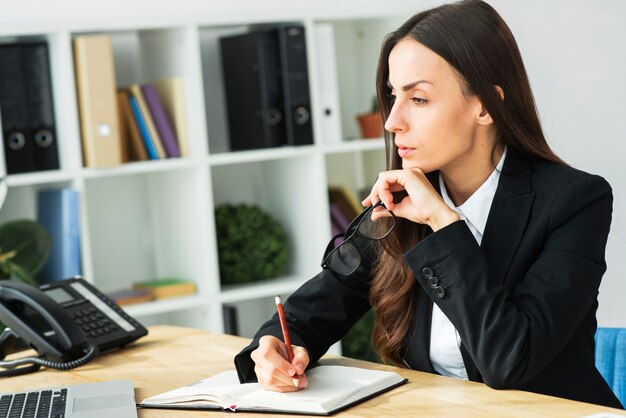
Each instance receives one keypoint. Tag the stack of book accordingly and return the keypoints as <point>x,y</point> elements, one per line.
<point>151,120</point>
<point>138,122</point>
<point>167,288</point>
<point>125,297</point>
<point>150,290</point>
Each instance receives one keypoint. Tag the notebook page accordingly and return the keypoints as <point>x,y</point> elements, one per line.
<point>222,389</point>
<point>328,387</point>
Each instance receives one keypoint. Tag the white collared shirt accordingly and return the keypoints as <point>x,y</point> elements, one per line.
<point>445,352</point>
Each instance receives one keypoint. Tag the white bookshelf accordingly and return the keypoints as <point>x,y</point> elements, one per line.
<point>153,219</point>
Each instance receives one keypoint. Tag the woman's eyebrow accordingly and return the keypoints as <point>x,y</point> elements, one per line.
<point>410,86</point>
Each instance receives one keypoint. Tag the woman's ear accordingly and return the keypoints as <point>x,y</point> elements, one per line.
<point>499,91</point>
<point>484,118</point>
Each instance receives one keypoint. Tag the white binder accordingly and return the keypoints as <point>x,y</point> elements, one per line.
<point>328,86</point>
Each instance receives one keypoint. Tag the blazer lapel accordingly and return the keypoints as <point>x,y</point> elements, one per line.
<point>508,215</point>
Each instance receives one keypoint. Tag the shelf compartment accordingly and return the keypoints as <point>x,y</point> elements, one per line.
<point>292,191</point>
<point>214,83</point>
<point>146,226</point>
<point>146,55</point>
<point>63,102</point>
<point>356,62</point>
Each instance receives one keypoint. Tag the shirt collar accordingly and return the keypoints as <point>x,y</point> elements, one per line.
<point>475,209</point>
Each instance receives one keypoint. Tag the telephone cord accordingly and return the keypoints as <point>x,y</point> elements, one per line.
<point>36,362</point>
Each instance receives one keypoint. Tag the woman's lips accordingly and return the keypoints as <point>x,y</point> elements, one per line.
<point>403,151</point>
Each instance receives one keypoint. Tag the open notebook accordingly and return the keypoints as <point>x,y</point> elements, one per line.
<point>330,389</point>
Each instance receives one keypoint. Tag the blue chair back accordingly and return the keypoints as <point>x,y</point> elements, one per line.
<point>611,359</point>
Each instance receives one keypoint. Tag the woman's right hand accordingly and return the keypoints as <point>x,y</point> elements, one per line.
<point>421,205</point>
<point>273,368</point>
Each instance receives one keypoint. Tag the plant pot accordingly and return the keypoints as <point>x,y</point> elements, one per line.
<point>371,125</point>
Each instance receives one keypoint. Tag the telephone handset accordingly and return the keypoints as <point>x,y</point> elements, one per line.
<point>67,322</point>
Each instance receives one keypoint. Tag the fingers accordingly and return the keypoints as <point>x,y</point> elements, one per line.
<point>379,213</point>
<point>378,194</point>
<point>387,183</point>
<point>274,371</point>
<point>422,203</point>
<point>300,359</point>
<point>269,382</point>
<point>270,357</point>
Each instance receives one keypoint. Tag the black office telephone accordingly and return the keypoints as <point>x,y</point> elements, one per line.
<point>68,322</point>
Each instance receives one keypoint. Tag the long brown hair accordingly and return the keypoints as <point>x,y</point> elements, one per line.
<point>474,39</point>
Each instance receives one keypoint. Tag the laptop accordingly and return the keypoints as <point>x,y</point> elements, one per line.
<point>90,400</point>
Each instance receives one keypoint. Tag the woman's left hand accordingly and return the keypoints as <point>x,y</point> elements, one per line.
<point>422,205</point>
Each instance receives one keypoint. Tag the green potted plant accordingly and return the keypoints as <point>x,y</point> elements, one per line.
<point>24,247</point>
<point>251,244</point>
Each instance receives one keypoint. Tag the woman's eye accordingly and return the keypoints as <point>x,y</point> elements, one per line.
<point>419,100</point>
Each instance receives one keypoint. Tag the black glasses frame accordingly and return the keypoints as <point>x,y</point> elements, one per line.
<point>350,234</point>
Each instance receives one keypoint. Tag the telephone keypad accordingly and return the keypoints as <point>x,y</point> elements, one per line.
<point>93,322</point>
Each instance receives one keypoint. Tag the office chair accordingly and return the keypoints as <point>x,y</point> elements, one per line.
<point>611,359</point>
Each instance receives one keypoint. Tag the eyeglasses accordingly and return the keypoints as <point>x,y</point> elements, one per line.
<point>344,258</point>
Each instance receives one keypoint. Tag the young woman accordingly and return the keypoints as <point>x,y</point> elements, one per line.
<point>495,250</point>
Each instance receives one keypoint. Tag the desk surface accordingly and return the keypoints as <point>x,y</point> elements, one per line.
<point>170,357</point>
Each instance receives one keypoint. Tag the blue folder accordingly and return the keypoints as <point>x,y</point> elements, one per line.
<point>57,212</point>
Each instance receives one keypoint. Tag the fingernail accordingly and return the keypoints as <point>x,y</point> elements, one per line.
<point>291,372</point>
<point>300,368</point>
<point>296,382</point>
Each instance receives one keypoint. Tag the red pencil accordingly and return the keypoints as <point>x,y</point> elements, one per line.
<point>283,326</point>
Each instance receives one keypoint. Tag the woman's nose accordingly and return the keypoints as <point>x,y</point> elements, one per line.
<point>395,121</point>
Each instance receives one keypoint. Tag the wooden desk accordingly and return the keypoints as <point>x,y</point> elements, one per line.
<point>170,357</point>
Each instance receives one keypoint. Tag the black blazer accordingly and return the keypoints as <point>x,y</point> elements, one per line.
<point>523,302</point>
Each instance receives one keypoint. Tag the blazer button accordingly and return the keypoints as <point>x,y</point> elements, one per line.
<point>427,272</point>
<point>440,292</point>
<point>433,282</point>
